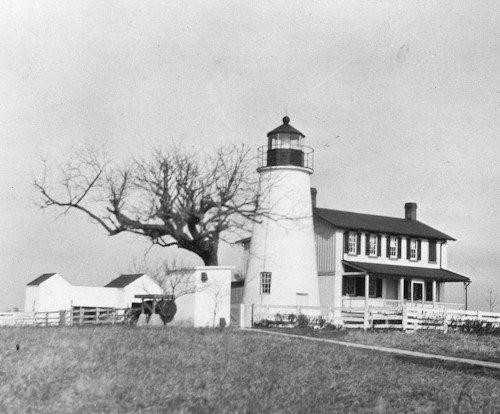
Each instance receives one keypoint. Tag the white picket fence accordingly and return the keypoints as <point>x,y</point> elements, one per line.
<point>81,316</point>
<point>404,317</point>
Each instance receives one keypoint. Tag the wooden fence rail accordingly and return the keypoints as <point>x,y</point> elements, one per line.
<point>75,316</point>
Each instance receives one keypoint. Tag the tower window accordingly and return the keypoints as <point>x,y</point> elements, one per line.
<point>265,283</point>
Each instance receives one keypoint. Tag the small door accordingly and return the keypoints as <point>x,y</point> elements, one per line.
<point>302,299</point>
<point>418,291</point>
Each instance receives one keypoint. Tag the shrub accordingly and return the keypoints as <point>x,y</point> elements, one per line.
<point>474,326</point>
<point>302,321</point>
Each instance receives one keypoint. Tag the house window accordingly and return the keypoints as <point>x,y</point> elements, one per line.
<point>265,283</point>
<point>413,249</point>
<point>349,286</point>
<point>375,288</point>
<point>432,251</point>
<point>373,245</point>
<point>353,243</point>
<point>393,249</point>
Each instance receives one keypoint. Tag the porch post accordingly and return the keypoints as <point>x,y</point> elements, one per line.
<point>434,293</point>
<point>367,288</point>
<point>366,316</point>
<point>401,290</point>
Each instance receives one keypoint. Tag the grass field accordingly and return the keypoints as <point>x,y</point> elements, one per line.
<point>132,370</point>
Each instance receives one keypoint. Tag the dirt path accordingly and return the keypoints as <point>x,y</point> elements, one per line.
<point>395,351</point>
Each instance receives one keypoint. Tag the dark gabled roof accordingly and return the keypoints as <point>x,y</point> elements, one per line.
<point>40,279</point>
<point>387,270</point>
<point>379,224</point>
<point>124,280</point>
<point>285,128</point>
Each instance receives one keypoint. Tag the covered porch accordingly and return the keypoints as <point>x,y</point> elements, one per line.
<point>386,286</point>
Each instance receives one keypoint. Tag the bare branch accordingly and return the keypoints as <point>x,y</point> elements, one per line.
<point>173,197</point>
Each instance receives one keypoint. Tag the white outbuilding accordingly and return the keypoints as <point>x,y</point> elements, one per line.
<point>51,292</point>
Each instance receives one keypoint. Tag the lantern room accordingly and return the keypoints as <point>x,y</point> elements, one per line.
<point>285,147</point>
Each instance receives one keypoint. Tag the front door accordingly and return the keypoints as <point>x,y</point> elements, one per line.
<point>418,291</point>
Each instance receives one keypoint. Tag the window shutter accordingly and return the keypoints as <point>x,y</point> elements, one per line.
<point>408,242</point>
<point>367,244</point>
<point>399,247</point>
<point>432,251</point>
<point>419,255</point>
<point>428,291</point>
<point>358,243</point>
<point>407,290</point>
<point>388,247</point>
<point>378,292</point>
<point>379,246</point>
<point>346,242</point>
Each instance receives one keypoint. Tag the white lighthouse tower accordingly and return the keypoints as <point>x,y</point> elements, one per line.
<point>282,262</point>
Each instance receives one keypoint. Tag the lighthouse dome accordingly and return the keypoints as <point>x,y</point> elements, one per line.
<point>285,128</point>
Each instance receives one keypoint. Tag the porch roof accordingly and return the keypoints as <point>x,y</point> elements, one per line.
<point>393,271</point>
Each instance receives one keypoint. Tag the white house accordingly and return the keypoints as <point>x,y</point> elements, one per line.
<point>360,259</point>
<point>382,261</point>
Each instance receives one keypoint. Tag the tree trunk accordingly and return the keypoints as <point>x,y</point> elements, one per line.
<point>210,259</point>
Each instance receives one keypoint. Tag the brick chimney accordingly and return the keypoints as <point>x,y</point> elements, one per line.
<point>411,211</point>
<point>314,193</point>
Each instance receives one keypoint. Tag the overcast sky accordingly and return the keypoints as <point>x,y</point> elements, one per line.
<point>401,101</point>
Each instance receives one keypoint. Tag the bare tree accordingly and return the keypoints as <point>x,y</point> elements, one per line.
<point>493,299</point>
<point>172,276</point>
<point>219,293</point>
<point>174,198</point>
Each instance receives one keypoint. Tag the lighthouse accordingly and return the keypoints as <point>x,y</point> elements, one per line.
<point>281,268</point>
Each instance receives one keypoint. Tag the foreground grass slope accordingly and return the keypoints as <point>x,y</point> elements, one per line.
<point>120,370</point>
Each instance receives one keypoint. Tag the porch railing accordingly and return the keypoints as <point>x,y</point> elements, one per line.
<point>359,302</point>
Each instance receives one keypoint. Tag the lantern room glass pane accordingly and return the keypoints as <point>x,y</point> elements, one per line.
<point>284,140</point>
